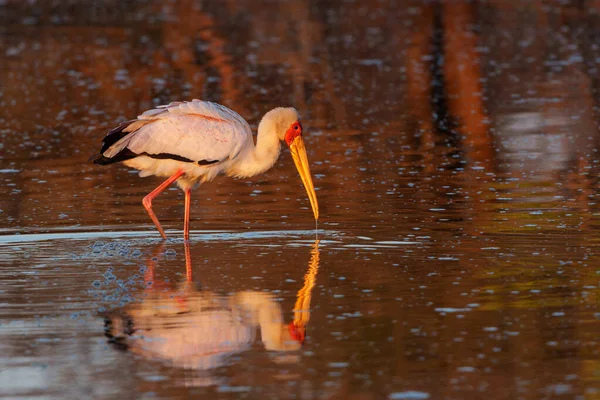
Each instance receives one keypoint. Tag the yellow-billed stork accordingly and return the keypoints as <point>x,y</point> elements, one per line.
<point>194,141</point>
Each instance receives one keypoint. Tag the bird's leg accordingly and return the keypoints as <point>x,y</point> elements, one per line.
<point>147,201</point>
<point>186,220</point>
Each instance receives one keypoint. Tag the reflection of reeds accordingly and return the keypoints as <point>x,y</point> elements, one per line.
<point>462,75</point>
<point>302,307</point>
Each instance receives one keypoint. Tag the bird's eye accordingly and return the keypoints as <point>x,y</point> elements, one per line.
<point>296,127</point>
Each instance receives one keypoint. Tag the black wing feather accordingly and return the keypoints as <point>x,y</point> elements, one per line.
<point>117,134</point>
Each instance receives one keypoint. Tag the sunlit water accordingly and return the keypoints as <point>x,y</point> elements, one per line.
<point>438,270</point>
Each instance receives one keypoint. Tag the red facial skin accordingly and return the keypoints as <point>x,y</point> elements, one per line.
<point>292,133</point>
<point>296,332</point>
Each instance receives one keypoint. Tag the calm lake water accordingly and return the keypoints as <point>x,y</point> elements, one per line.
<point>455,155</point>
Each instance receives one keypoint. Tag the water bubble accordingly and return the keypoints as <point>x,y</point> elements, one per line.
<point>411,394</point>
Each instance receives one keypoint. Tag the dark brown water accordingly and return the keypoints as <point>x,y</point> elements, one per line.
<point>455,155</point>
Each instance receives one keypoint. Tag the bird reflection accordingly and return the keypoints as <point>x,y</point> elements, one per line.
<point>199,330</point>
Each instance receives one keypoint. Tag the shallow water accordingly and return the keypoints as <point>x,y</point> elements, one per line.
<point>457,252</point>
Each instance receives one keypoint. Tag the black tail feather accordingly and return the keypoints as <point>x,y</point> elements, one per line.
<point>111,138</point>
<point>123,155</point>
<point>115,135</point>
<point>117,328</point>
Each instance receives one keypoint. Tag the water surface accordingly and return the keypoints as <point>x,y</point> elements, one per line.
<point>454,152</point>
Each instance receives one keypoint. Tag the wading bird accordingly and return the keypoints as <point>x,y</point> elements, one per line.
<point>194,141</point>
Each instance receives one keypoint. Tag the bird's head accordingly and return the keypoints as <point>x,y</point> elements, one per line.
<point>286,122</point>
<point>297,332</point>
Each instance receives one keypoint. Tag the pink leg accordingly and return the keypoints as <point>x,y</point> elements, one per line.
<point>186,220</point>
<point>147,202</point>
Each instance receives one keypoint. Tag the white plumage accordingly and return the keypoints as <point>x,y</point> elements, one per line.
<point>195,141</point>
<point>196,130</point>
<point>200,330</point>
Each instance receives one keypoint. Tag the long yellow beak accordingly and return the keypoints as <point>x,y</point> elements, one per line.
<point>299,155</point>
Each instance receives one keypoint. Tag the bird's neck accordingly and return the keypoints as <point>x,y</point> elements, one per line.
<point>265,313</point>
<point>258,158</point>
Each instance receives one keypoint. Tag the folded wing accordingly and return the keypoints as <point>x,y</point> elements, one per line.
<point>195,131</point>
